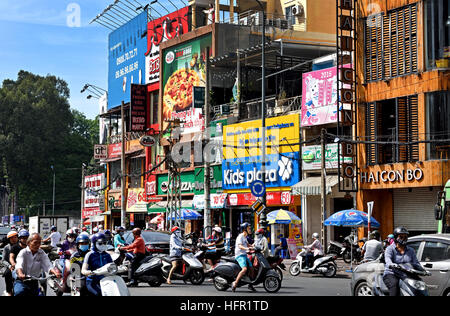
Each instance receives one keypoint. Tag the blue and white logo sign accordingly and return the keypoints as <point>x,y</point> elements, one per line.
<point>282,170</point>
<point>258,188</point>
<point>126,59</point>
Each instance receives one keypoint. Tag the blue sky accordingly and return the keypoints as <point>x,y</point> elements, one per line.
<point>35,37</point>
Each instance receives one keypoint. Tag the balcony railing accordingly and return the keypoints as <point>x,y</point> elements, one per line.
<point>254,19</point>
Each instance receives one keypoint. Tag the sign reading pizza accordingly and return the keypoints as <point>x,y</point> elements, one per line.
<point>184,68</point>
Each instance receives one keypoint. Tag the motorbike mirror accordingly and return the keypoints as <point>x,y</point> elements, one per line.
<point>438,212</point>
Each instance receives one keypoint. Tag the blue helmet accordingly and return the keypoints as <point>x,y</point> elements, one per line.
<point>244,226</point>
<point>24,233</point>
<point>97,237</point>
<point>82,238</point>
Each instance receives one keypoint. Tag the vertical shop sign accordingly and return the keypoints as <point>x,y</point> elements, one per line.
<point>138,110</point>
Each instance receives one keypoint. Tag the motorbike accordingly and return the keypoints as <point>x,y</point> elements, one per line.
<point>412,285</point>
<point>42,283</point>
<point>111,284</point>
<point>149,269</point>
<point>61,286</point>
<point>276,262</point>
<point>335,248</point>
<point>226,272</point>
<point>325,265</point>
<point>352,250</point>
<point>191,268</point>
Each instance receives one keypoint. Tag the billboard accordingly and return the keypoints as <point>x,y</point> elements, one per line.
<point>126,59</point>
<point>183,69</point>
<point>312,157</point>
<point>158,31</point>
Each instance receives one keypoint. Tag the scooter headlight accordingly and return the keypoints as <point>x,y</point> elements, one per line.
<point>418,285</point>
<point>112,269</point>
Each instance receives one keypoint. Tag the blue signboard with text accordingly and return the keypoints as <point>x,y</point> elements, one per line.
<point>282,170</point>
<point>126,59</point>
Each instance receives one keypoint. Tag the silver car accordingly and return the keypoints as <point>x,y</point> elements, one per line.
<point>433,252</point>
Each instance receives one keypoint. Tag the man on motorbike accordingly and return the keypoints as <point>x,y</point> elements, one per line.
<point>83,245</point>
<point>315,251</point>
<point>22,244</point>
<point>176,246</point>
<point>373,248</point>
<point>31,261</point>
<point>138,249</point>
<point>398,253</point>
<point>13,239</point>
<point>261,242</point>
<point>240,253</point>
<point>54,237</point>
<point>216,247</point>
<point>95,259</point>
<point>118,238</point>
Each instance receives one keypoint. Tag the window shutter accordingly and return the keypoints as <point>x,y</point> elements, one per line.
<point>402,129</point>
<point>374,47</point>
<point>371,133</point>
<point>413,127</point>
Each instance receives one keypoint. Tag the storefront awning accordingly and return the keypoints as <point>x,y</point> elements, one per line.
<point>97,218</point>
<point>313,185</point>
<point>160,207</point>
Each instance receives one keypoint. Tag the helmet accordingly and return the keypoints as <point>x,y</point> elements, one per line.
<point>174,229</point>
<point>95,238</point>
<point>71,233</point>
<point>82,238</point>
<point>84,228</point>
<point>107,233</point>
<point>391,236</point>
<point>11,234</point>
<point>120,229</point>
<point>375,234</point>
<point>53,229</point>
<point>315,235</point>
<point>137,231</point>
<point>398,231</point>
<point>259,231</point>
<point>24,233</point>
<point>244,226</point>
<point>217,229</point>
<point>95,229</point>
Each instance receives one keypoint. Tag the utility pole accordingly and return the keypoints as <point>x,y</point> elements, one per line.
<point>123,213</point>
<point>82,191</point>
<point>53,210</point>
<point>43,207</point>
<point>207,179</point>
<point>324,186</point>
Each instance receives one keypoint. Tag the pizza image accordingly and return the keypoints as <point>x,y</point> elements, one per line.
<point>178,91</point>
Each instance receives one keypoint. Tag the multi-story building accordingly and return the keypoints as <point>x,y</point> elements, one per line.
<point>404,110</point>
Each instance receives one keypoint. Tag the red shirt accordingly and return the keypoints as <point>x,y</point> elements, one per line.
<point>138,246</point>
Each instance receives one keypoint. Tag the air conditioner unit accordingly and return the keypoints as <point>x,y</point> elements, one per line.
<point>243,21</point>
<point>298,10</point>
<point>282,24</point>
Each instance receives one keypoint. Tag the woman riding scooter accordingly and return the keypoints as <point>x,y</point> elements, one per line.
<point>83,245</point>
<point>96,258</point>
<point>317,251</point>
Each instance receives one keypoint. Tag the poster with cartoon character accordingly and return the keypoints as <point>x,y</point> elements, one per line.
<point>320,96</point>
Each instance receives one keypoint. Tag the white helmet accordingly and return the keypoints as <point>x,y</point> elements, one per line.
<point>217,229</point>
<point>315,235</point>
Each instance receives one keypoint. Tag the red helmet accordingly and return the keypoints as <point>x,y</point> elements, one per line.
<point>174,228</point>
<point>260,231</point>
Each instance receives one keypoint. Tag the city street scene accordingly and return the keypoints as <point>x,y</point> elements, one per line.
<point>225,153</point>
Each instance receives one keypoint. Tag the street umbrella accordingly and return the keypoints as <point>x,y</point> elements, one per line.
<point>351,218</point>
<point>157,219</point>
<point>187,214</point>
<point>282,217</point>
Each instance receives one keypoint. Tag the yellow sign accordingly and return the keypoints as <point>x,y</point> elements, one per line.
<point>245,139</point>
<point>136,201</point>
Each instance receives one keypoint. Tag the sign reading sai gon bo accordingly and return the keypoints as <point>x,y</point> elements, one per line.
<point>242,150</point>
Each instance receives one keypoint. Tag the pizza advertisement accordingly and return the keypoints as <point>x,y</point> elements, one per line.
<point>184,68</point>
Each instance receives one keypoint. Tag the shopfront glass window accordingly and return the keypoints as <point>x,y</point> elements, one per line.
<point>438,33</point>
<point>114,175</point>
<point>135,172</point>
<point>438,106</point>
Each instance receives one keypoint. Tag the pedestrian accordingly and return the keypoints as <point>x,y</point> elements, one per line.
<point>31,261</point>
<point>138,249</point>
<point>13,239</point>
<point>176,247</point>
<point>281,246</point>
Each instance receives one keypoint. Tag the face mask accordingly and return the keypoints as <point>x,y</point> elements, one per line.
<point>401,241</point>
<point>121,233</point>
<point>102,247</point>
<point>84,247</point>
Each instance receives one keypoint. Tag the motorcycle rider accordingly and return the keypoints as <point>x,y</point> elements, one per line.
<point>118,238</point>
<point>95,259</point>
<point>22,244</point>
<point>83,245</point>
<point>216,244</point>
<point>68,247</point>
<point>315,251</point>
<point>176,246</point>
<point>372,248</point>
<point>138,249</point>
<point>261,242</point>
<point>240,253</point>
<point>398,253</point>
<point>13,239</point>
<point>54,237</point>
<point>31,261</point>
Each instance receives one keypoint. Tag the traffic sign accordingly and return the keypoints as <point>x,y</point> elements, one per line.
<point>258,188</point>
<point>258,207</point>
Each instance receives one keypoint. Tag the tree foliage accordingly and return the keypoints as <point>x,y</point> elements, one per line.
<point>38,130</point>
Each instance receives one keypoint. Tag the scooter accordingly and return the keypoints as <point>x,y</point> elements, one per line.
<point>352,251</point>
<point>276,262</point>
<point>191,268</point>
<point>111,284</point>
<point>412,285</point>
<point>325,265</point>
<point>60,286</point>
<point>335,248</point>
<point>226,272</point>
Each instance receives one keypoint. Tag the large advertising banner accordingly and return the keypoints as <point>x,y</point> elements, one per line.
<point>184,68</point>
<point>137,201</point>
<point>312,157</point>
<point>242,164</point>
<point>126,59</point>
<point>158,31</point>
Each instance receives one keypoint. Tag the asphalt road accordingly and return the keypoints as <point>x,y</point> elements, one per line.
<point>303,285</point>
